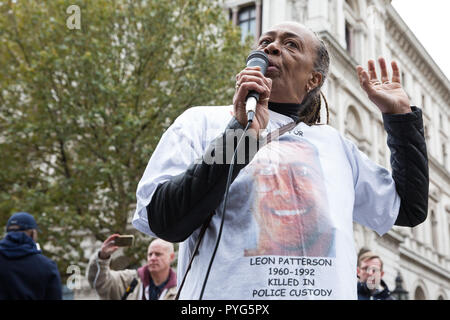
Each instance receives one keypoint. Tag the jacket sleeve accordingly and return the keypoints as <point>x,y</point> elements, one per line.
<point>182,204</point>
<point>54,289</point>
<point>109,284</point>
<point>409,162</point>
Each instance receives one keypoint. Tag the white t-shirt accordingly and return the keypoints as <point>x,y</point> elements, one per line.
<point>288,231</point>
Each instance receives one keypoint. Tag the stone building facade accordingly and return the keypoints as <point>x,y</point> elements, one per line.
<point>356,31</point>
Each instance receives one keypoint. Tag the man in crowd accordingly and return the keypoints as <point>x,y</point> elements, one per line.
<point>370,274</point>
<point>25,273</point>
<point>153,281</point>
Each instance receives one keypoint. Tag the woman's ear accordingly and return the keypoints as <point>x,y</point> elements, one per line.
<point>315,80</point>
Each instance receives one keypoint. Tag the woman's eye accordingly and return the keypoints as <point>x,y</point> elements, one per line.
<point>264,42</point>
<point>291,44</point>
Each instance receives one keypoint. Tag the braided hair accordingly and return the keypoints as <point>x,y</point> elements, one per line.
<point>311,104</point>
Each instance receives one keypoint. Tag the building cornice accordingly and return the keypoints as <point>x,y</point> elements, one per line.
<point>342,54</point>
<point>395,236</point>
<point>438,168</point>
<point>425,263</point>
<point>406,40</point>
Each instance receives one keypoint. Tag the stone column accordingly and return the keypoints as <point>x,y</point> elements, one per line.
<point>235,11</point>
<point>340,22</point>
<point>318,15</point>
<point>258,18</point>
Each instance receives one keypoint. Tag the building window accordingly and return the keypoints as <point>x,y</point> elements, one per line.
<point>351,4</point>
<point>444,155</point>
<point>247,22</point>
<point>348,37</point>
<point>434,231</point>
<point>449,226</point>
<point>419,294</point>
<point>405,84</point>
<point>426,132</point>
<point>423,101</point>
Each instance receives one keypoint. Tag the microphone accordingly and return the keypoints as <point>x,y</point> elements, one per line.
<point>255,59</point>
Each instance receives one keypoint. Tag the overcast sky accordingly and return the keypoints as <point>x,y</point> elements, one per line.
<point>429,20</point>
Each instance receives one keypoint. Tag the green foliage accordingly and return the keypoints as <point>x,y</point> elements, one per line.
<point>81,111</point>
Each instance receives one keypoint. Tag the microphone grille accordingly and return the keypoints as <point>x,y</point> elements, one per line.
<point>258,54</point>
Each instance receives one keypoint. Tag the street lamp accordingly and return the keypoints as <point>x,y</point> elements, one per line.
<point>399,292</point>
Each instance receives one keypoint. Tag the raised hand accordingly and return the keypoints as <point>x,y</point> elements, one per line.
<point>388,96</point>
<point>108,247</point>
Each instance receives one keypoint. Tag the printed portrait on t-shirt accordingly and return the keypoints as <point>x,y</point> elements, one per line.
<point>290,202</point>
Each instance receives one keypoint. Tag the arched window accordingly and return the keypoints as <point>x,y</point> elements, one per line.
<point>353,126</point>
<point>353,121</point>
<point>419,294</point>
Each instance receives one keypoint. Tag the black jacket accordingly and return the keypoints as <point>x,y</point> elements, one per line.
<point>365,294</point>
<point>409,163</point>
<point>182,204</point>
<point>25,273</point>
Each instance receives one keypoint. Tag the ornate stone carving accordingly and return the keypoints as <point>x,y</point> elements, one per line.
<point>299,10</point>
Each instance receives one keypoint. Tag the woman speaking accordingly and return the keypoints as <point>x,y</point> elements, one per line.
<point>287,230</point>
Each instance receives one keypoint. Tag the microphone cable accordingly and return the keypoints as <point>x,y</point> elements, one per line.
<point>255,58</point>
<point>224,207</point>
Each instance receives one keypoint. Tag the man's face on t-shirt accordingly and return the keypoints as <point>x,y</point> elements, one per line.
<point>291,198</point>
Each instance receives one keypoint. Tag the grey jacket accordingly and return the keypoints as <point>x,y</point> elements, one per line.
<point>111,285</point>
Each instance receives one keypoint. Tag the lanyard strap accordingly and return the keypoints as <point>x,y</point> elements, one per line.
<point>280,131</point>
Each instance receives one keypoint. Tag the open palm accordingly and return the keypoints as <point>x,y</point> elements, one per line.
<point>388,96</point>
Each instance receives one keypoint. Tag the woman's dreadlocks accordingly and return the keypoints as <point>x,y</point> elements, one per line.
<point>311,104</point>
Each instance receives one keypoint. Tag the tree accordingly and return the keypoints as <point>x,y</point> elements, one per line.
<point>81,110</point>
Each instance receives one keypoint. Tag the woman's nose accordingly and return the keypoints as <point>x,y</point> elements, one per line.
<point>273,48</point>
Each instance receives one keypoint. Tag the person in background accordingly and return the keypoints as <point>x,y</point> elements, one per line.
<point>153,281</point>
<point>362,251</point>
<point>370,273</point>
<point>25,273</point>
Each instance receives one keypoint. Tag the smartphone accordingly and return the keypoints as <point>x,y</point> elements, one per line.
<point>124,241</point>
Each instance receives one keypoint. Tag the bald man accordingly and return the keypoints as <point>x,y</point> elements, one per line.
<point>153,281</point>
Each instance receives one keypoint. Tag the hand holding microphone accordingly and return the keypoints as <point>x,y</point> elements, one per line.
<point>252,92</point>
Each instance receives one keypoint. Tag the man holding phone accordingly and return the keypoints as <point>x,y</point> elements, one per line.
<point>153,281</point>
<point>370,273</point>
